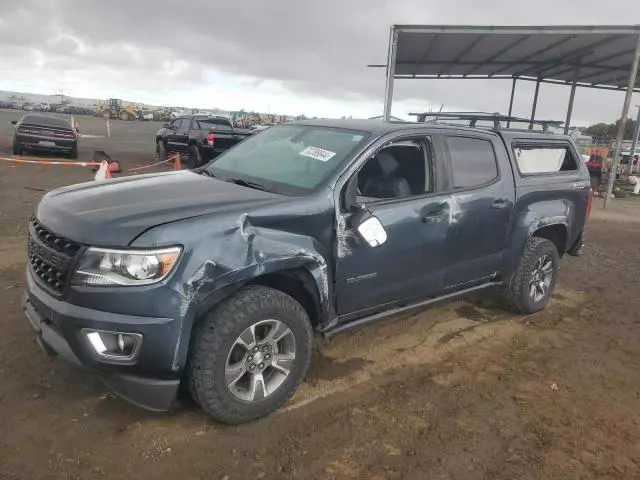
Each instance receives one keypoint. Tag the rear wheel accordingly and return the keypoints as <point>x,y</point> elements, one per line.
<point>195,157</point>
<point>533,282</point>
<point>124,116</point>
<point>249,355</point>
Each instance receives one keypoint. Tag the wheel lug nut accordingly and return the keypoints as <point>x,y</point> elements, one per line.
<point>250,357</point>
<point>252,366</point>
<point>265,348</point>
<point>267,356</point>
<point>255,349</point>
<point>261,366</point>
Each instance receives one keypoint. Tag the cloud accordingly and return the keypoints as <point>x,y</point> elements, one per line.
<point>286,53</point>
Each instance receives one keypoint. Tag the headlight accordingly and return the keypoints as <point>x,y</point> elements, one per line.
<point>102,266</point>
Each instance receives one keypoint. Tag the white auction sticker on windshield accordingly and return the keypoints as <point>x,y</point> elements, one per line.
<point>318,153</point>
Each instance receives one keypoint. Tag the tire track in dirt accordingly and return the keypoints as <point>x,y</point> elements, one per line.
<point>423,338</point>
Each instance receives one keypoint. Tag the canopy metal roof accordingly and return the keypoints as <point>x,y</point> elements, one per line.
<point>605,57</point>
<point>593,56</point>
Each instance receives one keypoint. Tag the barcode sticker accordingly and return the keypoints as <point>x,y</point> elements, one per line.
<point>317,153</point>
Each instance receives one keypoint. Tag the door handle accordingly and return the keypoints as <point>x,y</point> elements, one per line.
<point>433,211</point>
<point>499,204</point>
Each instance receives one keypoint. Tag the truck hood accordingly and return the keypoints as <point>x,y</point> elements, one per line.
<point>114,212</point>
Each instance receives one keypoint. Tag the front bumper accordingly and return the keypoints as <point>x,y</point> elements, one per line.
<point>58,326</point>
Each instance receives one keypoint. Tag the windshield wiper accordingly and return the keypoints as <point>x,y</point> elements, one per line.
<point>203,171</point>
<point>245,183</point>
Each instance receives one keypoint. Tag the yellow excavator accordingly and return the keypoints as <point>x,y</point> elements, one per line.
<point>114,108</point>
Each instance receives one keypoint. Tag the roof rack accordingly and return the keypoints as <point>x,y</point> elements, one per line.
<point>496,118</point>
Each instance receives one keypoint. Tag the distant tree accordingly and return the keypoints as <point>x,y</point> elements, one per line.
<point>610,130</point>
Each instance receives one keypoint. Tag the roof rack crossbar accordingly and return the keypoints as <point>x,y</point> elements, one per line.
<point>474,117</point>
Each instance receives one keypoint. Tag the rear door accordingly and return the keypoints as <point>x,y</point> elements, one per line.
<point>182,136</point>
<point>482,203</point>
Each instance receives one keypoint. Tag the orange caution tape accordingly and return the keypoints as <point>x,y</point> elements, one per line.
<point>153,164</point>
<point>49,162</point>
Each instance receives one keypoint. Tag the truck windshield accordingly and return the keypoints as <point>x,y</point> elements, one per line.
<point>288,159</point>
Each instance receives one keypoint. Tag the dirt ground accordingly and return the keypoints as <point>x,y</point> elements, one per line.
<point>460,391</point>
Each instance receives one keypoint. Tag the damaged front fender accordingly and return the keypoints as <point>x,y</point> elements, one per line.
<point>239,251</point>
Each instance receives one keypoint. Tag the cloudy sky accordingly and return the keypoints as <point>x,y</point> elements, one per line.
<point>283,56</point>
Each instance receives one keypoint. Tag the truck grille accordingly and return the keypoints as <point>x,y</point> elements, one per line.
<point>50,256</point>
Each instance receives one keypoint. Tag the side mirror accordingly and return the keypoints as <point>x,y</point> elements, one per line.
<point>14,122</point>
<point>369,228</point>
<point>372,231</point>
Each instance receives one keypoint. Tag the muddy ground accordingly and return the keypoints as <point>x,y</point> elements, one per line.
<point>460,391</point>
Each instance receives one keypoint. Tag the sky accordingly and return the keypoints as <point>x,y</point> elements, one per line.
<point>279,56</point>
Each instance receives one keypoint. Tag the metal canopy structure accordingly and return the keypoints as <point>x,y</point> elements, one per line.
<point>602,57</point>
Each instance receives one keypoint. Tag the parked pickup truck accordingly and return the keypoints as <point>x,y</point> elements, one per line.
<point>217,277</point>
<point>199,138</point>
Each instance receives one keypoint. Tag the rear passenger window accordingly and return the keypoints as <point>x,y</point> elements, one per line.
<point>214,124</point>
<point>473,162</point>
<point>533,159</point>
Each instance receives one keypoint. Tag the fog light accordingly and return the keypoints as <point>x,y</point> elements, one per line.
<point>114,345</point>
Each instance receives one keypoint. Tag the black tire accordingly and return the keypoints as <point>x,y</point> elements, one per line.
<point>73,154</point>
<point>215,337</point>
<point>518,293</point>
<point>161,150</point>
<point>195,157</point>
<point>17,148</point>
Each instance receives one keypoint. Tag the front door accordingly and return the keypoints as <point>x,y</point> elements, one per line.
<point>398,190</point>
<point>172,135</point>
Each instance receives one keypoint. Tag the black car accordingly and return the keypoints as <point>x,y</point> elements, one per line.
<point>43,132</point>
<point>199,138</point>
<point>217,277</point>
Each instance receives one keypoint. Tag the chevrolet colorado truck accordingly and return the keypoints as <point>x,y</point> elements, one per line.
<point>199,138</point>
<point>216,278</point>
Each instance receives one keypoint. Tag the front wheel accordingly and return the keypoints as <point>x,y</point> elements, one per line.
<point>249,355</point>
<point>17,148</point>
<point>533,282</point>
<point>161,151</point>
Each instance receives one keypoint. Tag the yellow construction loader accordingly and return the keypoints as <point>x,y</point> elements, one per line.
<point>114,108</point>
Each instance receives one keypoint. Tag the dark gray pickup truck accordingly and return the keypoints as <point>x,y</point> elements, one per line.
<point>198,138</point>
<point>320,225</point>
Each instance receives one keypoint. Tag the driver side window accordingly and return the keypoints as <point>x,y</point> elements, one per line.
<point>401,169</point>
<point>175,125</point>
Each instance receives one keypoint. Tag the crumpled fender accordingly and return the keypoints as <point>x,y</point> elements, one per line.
<point>247,252</point>
<point>218,263</point>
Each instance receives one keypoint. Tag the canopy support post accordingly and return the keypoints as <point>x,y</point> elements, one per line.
<point>513,91</point>
<point>535,104</point>
<point>623,122</point>
<point>391,72</point>
<point>572,96</point>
